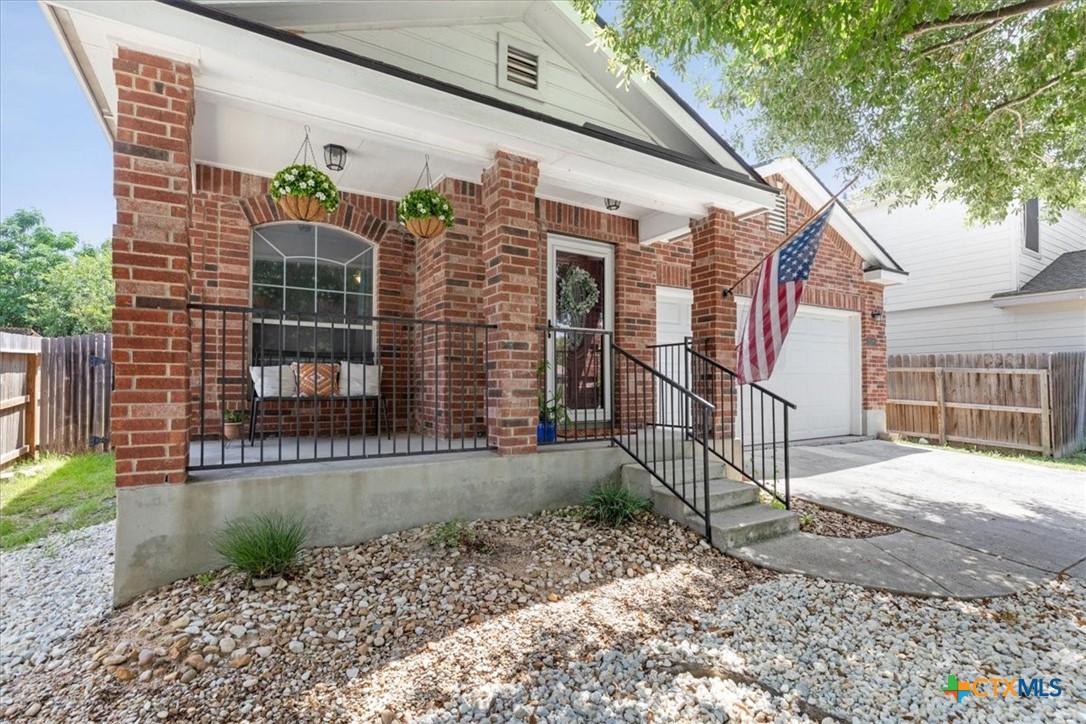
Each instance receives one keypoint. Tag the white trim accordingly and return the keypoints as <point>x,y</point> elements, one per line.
<point>598,249</point>
<point>1021,300</point>
<point>885,277</point>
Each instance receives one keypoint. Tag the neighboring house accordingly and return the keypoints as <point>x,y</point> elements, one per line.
<point>550,168</point>
<point>1016,286</point>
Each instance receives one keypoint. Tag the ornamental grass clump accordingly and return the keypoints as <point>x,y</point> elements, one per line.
<point>611,504</point>
<point>262,546</point>
<point>305,180</point>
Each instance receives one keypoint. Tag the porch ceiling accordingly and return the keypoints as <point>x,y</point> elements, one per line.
<point>255,93</point>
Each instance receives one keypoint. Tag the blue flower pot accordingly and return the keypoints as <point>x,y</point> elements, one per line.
<point>546,432</point>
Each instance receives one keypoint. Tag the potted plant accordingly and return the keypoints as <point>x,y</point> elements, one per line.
<point>231,423</point>
<point>425,213</point>
<point>551,409</point>
<point>304,193</point>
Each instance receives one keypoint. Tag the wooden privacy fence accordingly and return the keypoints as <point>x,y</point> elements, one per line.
<point>54,394</point>
<point>1034,402</point>
<point>19,357</point>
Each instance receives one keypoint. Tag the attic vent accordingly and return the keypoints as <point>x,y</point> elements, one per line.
<point>522,67</point>
<point>778,215</point>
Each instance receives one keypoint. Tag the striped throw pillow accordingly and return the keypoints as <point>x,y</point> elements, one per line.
<point>316,379</point>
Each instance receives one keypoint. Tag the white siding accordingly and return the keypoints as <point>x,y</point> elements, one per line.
<point>981,327</point>
<point>948,262</point>
<point>1068,234</point>
<point>466,56</point>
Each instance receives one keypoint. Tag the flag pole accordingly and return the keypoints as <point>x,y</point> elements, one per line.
<point>727,292</point>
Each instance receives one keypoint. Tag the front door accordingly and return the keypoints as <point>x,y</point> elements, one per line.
<point>580,308</point>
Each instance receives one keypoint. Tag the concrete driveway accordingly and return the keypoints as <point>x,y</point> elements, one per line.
<point>1029,514</point>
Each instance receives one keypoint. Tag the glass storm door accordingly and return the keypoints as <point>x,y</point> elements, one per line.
<point>580,306</point>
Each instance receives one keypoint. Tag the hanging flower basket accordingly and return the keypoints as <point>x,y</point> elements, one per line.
<point>425,213</point>
<point>304,192</point>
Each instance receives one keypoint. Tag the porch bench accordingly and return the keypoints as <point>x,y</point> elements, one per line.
<point>366,386</point>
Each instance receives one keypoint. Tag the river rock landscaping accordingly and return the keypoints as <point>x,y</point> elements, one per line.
<point>550,618</point>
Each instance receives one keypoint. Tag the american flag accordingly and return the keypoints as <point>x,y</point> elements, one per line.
<point>780,286</point>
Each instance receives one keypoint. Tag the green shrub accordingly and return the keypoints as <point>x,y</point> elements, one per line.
<point>456,534</point>
<point>611,504</point>
<point>262,545</point>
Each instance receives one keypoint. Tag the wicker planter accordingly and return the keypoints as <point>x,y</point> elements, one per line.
<point>426,227</point>
<point>302,208</point>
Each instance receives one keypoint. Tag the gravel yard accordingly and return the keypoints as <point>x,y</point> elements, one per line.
<point>554,620</point>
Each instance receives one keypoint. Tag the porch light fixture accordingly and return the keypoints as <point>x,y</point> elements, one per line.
<point>878,315</point>
<point>612,204</point>
<point>334,156</point>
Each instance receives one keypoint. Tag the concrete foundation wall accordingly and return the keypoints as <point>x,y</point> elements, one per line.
<point>164,532</point>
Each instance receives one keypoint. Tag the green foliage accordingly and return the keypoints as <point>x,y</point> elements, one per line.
<point>982,101</point>
<point>234,416</point>
<point>457,534</point>
<point>611,504</point>
<point>55,494</point>
<point>420,203</point>
<point>305,180</point>
<point>262,545</point>
<point>205,579</point>
<point>78,295</point>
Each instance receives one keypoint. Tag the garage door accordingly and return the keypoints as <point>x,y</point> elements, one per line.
<point>818,371</point>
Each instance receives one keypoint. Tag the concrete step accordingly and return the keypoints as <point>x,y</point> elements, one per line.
<point>737,527</point>
<point>723,494</point>
<point>638,479</point>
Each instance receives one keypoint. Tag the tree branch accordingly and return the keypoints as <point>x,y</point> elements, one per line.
<point>1010,103</point>
<point>931,49</point>
<point>985,16</point>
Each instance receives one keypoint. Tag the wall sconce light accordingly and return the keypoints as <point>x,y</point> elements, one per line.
<point>334,157</point>
<point>878,315</point>
<point>612,204</point>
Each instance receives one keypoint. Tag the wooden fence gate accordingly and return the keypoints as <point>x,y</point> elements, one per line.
<point>1032,402</point>
<point>54,394</point>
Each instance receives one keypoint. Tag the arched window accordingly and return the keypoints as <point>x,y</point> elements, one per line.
<point>316,283</point>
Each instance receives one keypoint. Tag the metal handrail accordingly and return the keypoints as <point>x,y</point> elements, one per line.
<point>733,373</point>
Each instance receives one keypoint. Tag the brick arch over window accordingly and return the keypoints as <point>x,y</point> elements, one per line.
<point>261,209</point>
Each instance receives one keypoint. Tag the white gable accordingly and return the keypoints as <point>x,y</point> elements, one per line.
<point>467,56</point>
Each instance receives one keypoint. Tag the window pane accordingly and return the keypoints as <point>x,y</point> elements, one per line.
<point>267,297</point>
<point>360,305</point>
<point>360,276</point>
<point>289,239</point>
<point>329,303</point>
<point>267,271</point>
<point>329,276</point>
<point>336,245</point>
<point>299,300</point>
<point>300,273</point>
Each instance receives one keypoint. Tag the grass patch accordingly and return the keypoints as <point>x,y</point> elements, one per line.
<point>1074,461</point>
<point>613,505</point>
<point>262,545</point>
<point>55,494</point>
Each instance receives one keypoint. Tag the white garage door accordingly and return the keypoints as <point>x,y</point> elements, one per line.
<point>818,370</point>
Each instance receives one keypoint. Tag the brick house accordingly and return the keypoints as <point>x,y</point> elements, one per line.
<point>453,342</point>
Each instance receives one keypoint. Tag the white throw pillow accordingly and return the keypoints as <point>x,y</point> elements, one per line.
<point>274,381</point>
<point>357,380</point>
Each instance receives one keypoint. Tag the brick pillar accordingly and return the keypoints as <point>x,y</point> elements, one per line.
<point>873,334</point>
<point>713,318</point>
<point>449,284</point>
<point>151,255</point>
<point>511,259</point>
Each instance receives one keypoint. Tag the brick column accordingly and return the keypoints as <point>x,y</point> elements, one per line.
<point>511,259</point>
<point>449,284</point>
<point>151,255</point>
<point>873,334</point>
<point>713,318</point>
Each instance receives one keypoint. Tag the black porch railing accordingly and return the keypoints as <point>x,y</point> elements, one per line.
<point>750,434</point>
<point>575,391</point>
<point>650,405</point>
<point>314,387</point>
